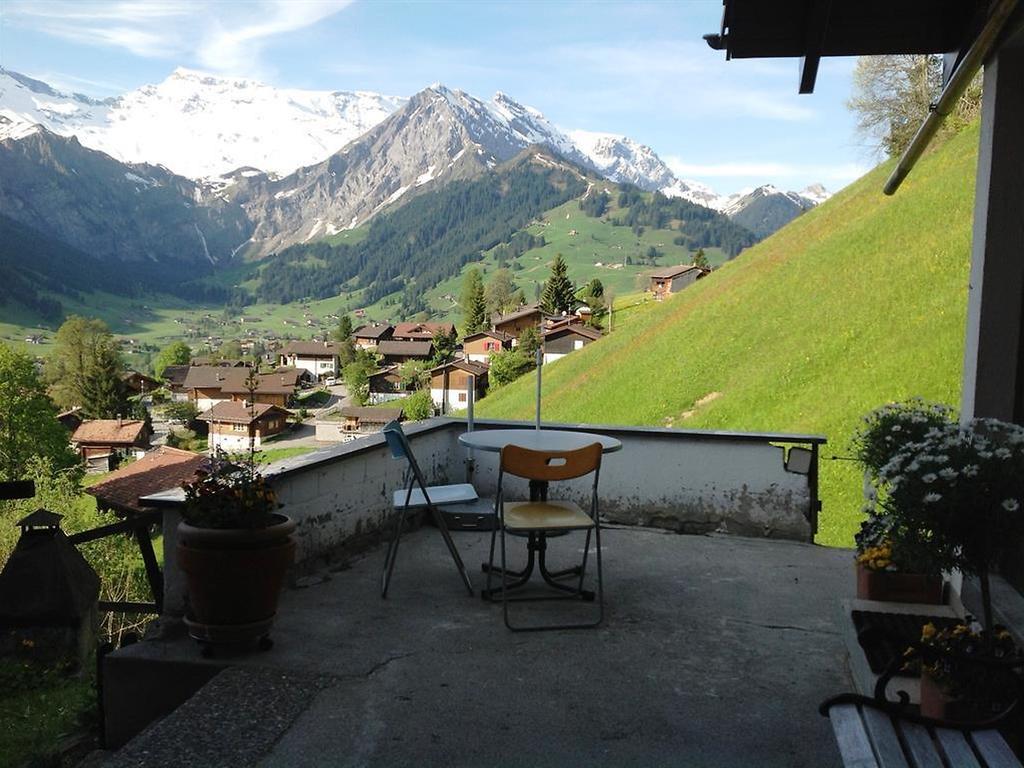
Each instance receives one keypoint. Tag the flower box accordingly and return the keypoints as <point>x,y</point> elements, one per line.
<point>893,587</point>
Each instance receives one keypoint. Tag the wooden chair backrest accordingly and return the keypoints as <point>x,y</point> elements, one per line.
<point>550,465</point>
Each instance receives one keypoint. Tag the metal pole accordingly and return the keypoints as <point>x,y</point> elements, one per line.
<point>470,397</point>
<point>540,361</point>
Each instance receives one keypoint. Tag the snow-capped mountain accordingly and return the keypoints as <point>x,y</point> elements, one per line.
<point>766,209</point>
<point>198,125</point>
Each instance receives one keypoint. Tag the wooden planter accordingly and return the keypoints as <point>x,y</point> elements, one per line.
<point>234,579</point>
<point>899,587</point>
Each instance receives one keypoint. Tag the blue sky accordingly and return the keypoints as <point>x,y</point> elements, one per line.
<point>638,68</point>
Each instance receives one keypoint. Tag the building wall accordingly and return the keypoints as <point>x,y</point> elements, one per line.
<point>316,366</point>
<point>516,327</point>
<point>205,399</point>
<point>683,281</point>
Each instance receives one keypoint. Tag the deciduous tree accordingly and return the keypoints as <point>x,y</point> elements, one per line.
<point>85,368</point>
<point>501,295</point>
<point>176,353</point>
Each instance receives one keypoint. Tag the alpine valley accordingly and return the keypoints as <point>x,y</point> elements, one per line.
<point>224,190</point>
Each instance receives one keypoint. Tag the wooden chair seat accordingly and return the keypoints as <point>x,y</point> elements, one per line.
<point>545,516</point>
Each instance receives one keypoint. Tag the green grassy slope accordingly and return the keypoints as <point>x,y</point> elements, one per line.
<point>858,302</point>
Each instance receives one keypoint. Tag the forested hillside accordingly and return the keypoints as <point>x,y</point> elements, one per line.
<point>855,303</point>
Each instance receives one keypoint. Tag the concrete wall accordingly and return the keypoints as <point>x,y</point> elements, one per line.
<point>685,481</point>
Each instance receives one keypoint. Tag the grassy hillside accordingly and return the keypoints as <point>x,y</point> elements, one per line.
<point>858,302</point>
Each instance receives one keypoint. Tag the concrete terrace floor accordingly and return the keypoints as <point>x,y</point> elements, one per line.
<point>715,651</point>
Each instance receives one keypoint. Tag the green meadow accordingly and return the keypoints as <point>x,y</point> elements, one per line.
<point>859,302</point>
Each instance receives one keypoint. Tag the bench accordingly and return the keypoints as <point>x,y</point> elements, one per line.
<point>872,737</point>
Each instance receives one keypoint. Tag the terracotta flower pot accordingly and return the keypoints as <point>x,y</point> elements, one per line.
<point>234,578</point>
<point>938,704</point>
<point>899,587</point>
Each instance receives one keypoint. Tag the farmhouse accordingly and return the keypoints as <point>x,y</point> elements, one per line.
<point>231,423</point>
<point>174,378</point>
<point>208,385</point>
<point>479,347</point>
<point>319,358</point>
<point>386,384</point>
<point>449,384</point>
<point>514,323</point>
<point>401,351</point>
<point>162,469</point>
<point>421,331</point>
<point>104,442</point>
<point>367,421</point>
<point>559,340</point>
<point>136,383</point>
<point>369,336</point>
<point>671,280</point>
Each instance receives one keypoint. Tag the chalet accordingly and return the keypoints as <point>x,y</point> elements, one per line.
<point>162,469</point>
<point>201,361</point>
<point>671,280</point>
<point>386,384</point>
<point>449,384</point>
<point>174,378</point>
<point>231,423</point>
<point>559,340</point>
<point>104,442</point>
<point>421,331</point>
<point>136,383</point>
<point>356,420</point>
<point>212,384</point>
<point>402,351</point>
<point>514,323</point>
<point>319,358</point>
<point>369,336</point>
<point>71,419</point>
<point>479,347</point>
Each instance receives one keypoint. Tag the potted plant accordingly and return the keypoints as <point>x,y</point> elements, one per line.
<point>966,673</point>
<point>960,489</point>
<point>235,550</point>
<point>894,563</point>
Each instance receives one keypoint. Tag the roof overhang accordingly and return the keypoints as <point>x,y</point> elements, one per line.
<point>811,29</point>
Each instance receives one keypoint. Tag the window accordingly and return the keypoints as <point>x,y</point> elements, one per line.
<point>490,346</point>
<point>577,344</point>
<point>462,397</point>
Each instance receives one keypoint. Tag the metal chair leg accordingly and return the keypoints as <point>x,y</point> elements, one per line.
<point>446,534</point>
<point>392,553</point>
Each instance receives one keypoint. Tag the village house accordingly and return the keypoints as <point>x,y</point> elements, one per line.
<point>139,384</point>
<point>71,419</point>
<point>162,469</point>
<point>209,385</point>
<point>421,331</point>
<point>671,280</point>
<point>386,384</point>
<point>174,379</point>
<point>319,358</point>
<point>563,338</point>
<point>514,323</point>
<point>369,336</point>
<point>102,443</point>
<point>231,423</point>
<point>352,421</point>
<point>478,347</point>
<point>449,384</point>
<point>402,351</point>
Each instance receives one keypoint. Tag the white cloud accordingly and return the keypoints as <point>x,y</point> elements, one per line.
<point>222,36</point>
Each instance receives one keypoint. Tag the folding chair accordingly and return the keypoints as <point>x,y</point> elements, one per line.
<point>417,496</point>
<point>536,519</point>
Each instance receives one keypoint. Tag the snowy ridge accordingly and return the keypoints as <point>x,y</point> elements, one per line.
<point>199,125</point>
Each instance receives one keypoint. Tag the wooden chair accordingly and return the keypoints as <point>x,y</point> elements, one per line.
<point>538,518</point>
<point>416,496</point>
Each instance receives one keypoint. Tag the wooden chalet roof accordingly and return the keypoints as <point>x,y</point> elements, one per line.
<point>175,374</point>
<point>575,328</point>
<point>798,28</point>
<point>310,348</point>
<point>670,272</point>
<point>373,331</point>
<point>234,380</point>
<point>469,366</point>
<point>499,335</point>
<point>420,331</point>
<point>238,412</point>
<point>525,311</point>
<point>159,470</point>
<point>406,348</point>
<point>372,415</point>
<point>109,432</point>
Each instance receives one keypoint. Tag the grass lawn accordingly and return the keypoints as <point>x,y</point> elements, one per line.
<point>267,455</point>
<point>859,302</point>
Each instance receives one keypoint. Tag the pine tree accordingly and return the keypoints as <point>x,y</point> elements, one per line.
<point>700,259</point>
<point>474,307</point>
<point>558,296</point>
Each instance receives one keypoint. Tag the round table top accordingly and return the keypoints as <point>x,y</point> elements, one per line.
<point>537,440</point>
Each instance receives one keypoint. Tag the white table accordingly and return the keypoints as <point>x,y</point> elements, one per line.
<point>493,440</point>
<point>537,440</point>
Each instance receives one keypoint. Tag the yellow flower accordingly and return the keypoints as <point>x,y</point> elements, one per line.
<point>927,632</point>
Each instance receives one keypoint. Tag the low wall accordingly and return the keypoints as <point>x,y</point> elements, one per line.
<point>685,481</point>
